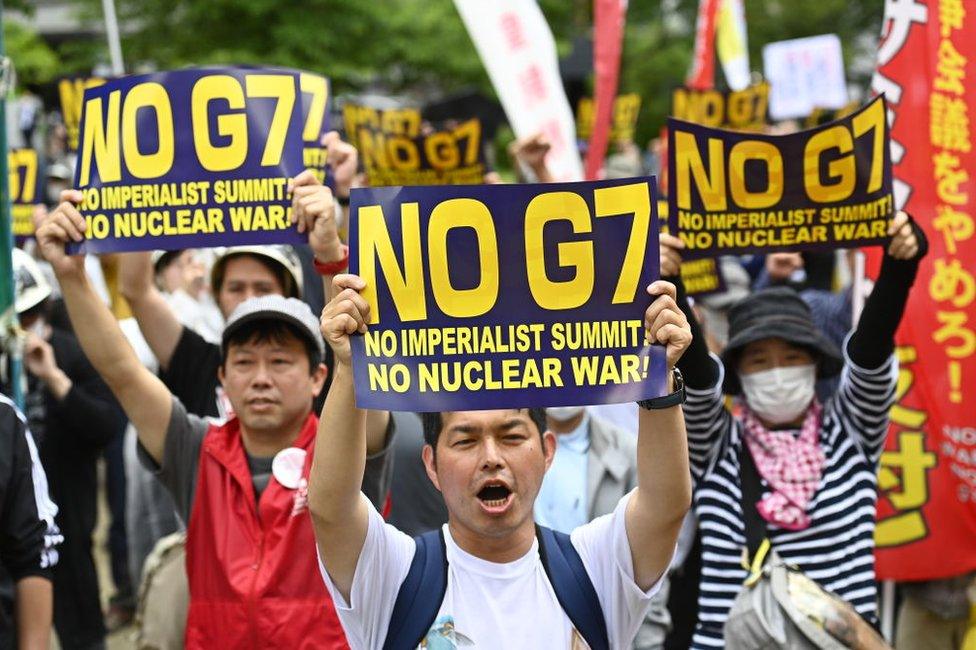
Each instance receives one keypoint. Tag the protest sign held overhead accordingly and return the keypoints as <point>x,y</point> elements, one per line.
<point>500,296</point>
<point>316,99</point>
<point>190,158</point>
<point>22,166</point>
<point>743,110</point>
<point>732,193</point>
<point>805,73</point>
<point>397,148</point>
<point>700,277</point>
<point>71,93</point>
<point>623,123</point>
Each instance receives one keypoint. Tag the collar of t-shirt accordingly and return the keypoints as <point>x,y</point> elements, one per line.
<point>260,473</point>
<point>458,557</point>
<point>562,504</point>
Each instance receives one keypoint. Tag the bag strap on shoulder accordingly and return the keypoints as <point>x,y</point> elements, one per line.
<point>573,587</point>
<point>420,595</point>
<point>754,524</point>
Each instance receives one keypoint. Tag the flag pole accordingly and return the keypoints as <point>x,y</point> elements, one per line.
<point>112,34</point>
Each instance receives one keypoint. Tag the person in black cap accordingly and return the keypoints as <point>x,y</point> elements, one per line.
<point>817,462</point>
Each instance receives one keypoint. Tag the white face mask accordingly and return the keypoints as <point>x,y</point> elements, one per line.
<point>564,413</point>
<point>781,394</point>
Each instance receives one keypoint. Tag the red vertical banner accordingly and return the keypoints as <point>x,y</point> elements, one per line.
<point>608,27</point>
<point>927,479</point>
<point>702,75</point>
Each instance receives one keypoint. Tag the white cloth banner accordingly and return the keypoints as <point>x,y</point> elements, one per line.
<point>519,53</point>
<point>731,43</point>
<point>804,74</point>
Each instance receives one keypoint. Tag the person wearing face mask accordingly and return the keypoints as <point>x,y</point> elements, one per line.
<point>816,461</point>
<point>595,465</point>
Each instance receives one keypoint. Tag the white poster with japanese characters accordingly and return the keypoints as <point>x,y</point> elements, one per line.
<point>519,53</point>
<point>804,74</point>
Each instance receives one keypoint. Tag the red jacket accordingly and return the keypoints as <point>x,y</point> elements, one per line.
<point>253,570</point>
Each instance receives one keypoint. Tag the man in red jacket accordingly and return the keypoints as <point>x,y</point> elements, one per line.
<point>241,486</point>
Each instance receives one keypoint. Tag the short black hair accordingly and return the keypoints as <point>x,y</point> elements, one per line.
<point>271,330</point>
<point>433,423</point>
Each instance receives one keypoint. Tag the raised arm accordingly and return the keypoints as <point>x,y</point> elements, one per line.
<point>867,388</point>
<point>159,324</point>
<point>663,495</point>
<point>339,512</point>
<point>531,152</point>
<point>706,417</point>
<point>145,399</point>
<point>873,339</point>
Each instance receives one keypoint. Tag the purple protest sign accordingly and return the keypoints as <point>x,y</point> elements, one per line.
<point>189,158</point>
<point>732,193</point>
<point>498,296</point>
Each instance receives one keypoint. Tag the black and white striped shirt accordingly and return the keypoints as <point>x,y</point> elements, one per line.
<point>837,550</point>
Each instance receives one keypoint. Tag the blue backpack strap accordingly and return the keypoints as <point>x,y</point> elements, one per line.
<point>420,595</point>
<point>573,586</point>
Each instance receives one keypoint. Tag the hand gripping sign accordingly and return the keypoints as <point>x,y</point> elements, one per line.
<point>826,188</point>
<point>190,158</point>
<point>495,296</point>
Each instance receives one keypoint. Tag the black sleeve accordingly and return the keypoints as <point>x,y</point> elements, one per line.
<point>22,544</point>
<point>89,414</point>
<point>873,340</point>
<point>192,374</point>
<point>696,365</point>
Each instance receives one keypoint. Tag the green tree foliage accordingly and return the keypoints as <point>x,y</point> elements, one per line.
<point>422,47</point>
<point>34,61</point>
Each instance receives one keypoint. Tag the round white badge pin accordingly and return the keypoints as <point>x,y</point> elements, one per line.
<point>287,466</point>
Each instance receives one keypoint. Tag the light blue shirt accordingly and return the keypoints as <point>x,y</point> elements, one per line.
<point>561,504</point>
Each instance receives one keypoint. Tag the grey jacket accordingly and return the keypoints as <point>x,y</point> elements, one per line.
<point>611,472</point>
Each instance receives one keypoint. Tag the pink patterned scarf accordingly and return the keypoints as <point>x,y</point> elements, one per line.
<point>792,466</point>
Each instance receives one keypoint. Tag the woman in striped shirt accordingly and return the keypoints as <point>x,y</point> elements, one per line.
<point>817,462</point>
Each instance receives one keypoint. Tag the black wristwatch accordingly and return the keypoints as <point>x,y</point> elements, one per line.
<point>667,401</point>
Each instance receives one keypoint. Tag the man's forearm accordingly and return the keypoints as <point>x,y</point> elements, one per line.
<point>159,325</point>
<point>146,401</point>
<point>340,452</point>
<point>97,331</point>
<point>339,512</point>
<point>663,472</point>
<point>663,493</point>
<point>34,611</point>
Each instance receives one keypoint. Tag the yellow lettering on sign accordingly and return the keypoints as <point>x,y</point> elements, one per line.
<point>873,119</point>
<point>318,87</point>
<point>688,164</point>
<point>843,169</point>
<point>215,158</point>
<point>147,95</point>
<point>463,213</point>
<point>628,199</point>
<point>766,152</point>
<point>559,206</point>
<point>281,88</point>
<point>101,140</point>
<point>406,284</point>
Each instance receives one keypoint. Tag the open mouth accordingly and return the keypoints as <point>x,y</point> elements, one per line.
<point>494,495</point>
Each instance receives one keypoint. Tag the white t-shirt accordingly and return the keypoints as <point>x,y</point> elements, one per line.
<point>490,605</point>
